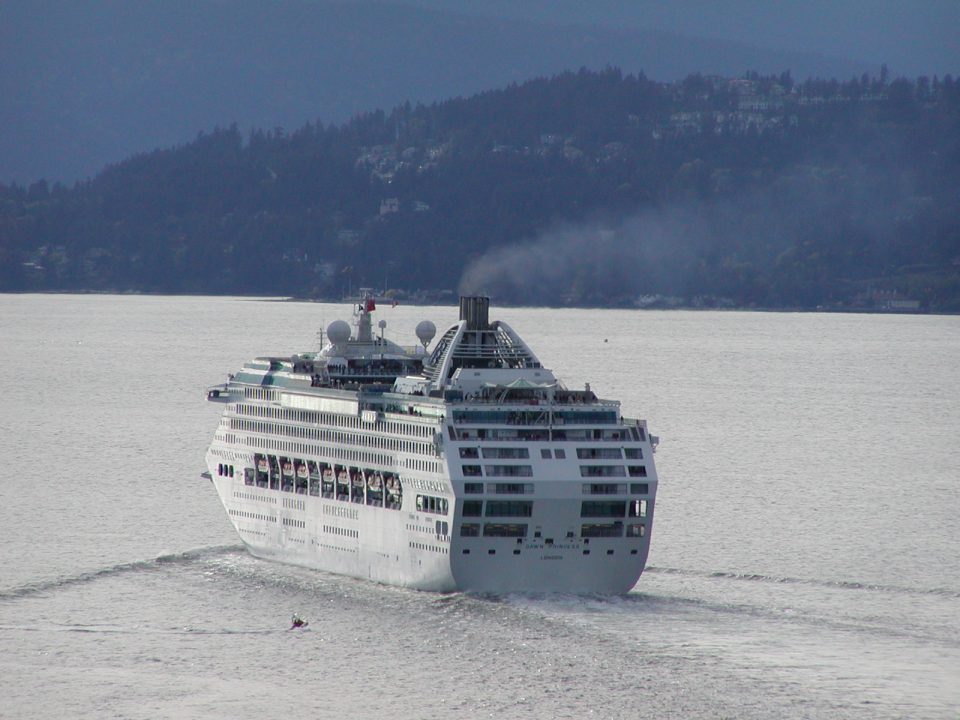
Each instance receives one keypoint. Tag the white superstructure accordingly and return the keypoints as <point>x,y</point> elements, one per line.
<point>470,467</point>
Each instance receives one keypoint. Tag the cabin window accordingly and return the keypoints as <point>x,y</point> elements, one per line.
<point>640,488</point>
<point>602,471</point>
<point>472,471</point>
<point>598,417</point>
<point>472,508</point>
<point>473,488</point>
<point>633,453</point>
<point>509,508</point>
<point>560,454</point>
<point>470,530</point>
<point>508,470</point>
<point>510,488</point>
<point>504,530</point>
<point>638,471</point>
<point>636,530</point>
<point>431,504</point>
<point>469,452</point>
<point>545,454</point>
<point>604,488</point>
<point>638,508</point>
<point>506,453</point>
<point>599,453</point>
<point>594,508</point>
<point>602,530</point>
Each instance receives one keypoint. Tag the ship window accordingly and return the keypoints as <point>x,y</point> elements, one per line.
<point>470,530</point>
<point>504,530</point>
<point>510,488</point>
<point>599,453</point>
<point>506,453</point>
<point>472,470</point>
<point>473,488</point>
<point>472,508</point>
<point>485,417</point>
<point>602,530</point>
<point>431,504</point>
<point>602,471</point>
<point>560,454</point>
<point>638,508</point>
<point>638,471</point>
<point>640,488</point>
<point>593,508</point>
<point>545,453</point>
<point>633,453</point>
<point>604,488</point>
<point>469,452</point>
<point>598,417</point>
<point>636,530</point>
<point>508,470</point>
<point>509,508</point>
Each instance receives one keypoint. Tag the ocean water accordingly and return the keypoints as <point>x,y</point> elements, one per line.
<point>804,563</point>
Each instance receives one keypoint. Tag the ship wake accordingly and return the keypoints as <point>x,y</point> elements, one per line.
<point>186,557</point>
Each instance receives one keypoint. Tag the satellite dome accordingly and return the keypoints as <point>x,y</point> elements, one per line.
<point>339,332</point>
<point>426,331</point>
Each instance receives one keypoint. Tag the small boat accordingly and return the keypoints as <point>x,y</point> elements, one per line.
<point>297,622</point>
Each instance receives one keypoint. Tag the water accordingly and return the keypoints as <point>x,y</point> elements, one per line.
<point>803,565</point>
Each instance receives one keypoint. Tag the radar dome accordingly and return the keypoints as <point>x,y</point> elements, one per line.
<point>339,332</point>
<point>426,331</point>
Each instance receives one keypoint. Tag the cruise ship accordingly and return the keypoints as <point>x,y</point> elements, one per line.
<point>465,466</point>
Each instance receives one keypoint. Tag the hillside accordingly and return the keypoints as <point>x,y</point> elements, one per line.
<point>583,188</point>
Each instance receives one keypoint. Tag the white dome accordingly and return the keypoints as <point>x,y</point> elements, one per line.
<point>426,331</point>
<point>338,332</point>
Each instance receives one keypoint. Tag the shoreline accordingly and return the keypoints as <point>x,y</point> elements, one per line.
<point>500,303</point>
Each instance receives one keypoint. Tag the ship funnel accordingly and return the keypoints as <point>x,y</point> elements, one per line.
<point>476,311</point>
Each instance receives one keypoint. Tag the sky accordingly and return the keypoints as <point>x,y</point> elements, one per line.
<point>913,37</point>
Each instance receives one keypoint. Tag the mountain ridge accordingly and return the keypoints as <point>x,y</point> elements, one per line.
<point>588,188</point>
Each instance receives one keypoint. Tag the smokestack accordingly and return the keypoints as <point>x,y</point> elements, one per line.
<point>476,311</point>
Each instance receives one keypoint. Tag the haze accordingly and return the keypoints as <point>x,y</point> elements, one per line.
<point>83,85</point>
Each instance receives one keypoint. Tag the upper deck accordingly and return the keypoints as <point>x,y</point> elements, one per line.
<point>479,375</point>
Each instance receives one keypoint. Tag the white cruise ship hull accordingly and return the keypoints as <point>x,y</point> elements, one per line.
<point>332,536</point>
<point>473,469</point>
<point>402,548</point>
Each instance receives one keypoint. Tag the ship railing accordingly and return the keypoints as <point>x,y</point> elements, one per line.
<point>535,434</point>
<point>559,402</point>
<point>470,349</point>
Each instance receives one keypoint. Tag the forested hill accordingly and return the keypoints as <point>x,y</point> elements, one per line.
<point>593,188</point>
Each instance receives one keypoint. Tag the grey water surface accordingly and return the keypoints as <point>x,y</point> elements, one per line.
<point>804,558</point>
